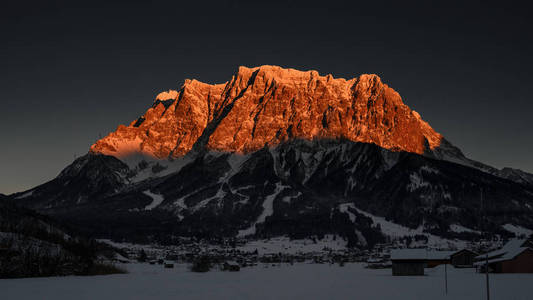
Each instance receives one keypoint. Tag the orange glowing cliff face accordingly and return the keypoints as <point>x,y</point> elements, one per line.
<point>268,105</point>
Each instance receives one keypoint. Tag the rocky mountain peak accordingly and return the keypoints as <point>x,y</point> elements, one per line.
<point>167,95</point>
<point>269,105</point>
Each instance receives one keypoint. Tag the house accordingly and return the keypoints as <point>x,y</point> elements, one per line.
<point>514,257</point>
<point>408,262</point>
<point>463,258</point>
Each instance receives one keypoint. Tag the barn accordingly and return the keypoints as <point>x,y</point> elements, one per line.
<point>463,258</point>
<point>408,262</point>
<point>435,258</point>
<point>515,257</point>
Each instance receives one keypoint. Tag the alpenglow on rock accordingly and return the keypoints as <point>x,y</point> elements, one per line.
<point>269,105</point>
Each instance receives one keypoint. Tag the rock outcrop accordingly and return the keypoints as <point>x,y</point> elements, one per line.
<point>269,105</point>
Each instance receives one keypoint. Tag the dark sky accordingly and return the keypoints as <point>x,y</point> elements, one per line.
<point>73,70</point>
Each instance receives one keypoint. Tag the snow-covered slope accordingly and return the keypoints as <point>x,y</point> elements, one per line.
<point>360,192</point>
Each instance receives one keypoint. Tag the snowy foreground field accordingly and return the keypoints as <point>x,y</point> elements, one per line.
<point>300,281</point>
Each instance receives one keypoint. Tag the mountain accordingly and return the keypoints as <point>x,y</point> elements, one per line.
<point>270,105</point>
<point>278,151</point>
<point>35,245</point>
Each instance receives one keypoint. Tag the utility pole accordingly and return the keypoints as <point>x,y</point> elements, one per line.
<point>487,272</point>
<point>487,253</point>
<point>445,279</point>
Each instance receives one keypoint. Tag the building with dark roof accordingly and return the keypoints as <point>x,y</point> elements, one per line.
<point>408,262</point>
<point>463,258</point>
<point>514,257</point>
<point>413,261</point>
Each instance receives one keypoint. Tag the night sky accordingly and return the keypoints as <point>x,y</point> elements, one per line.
<point>73,71</point>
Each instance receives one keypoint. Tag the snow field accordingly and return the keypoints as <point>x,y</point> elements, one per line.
<point>300,281</point>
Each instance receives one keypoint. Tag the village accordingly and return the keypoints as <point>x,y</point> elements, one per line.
<point>512,256</point>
